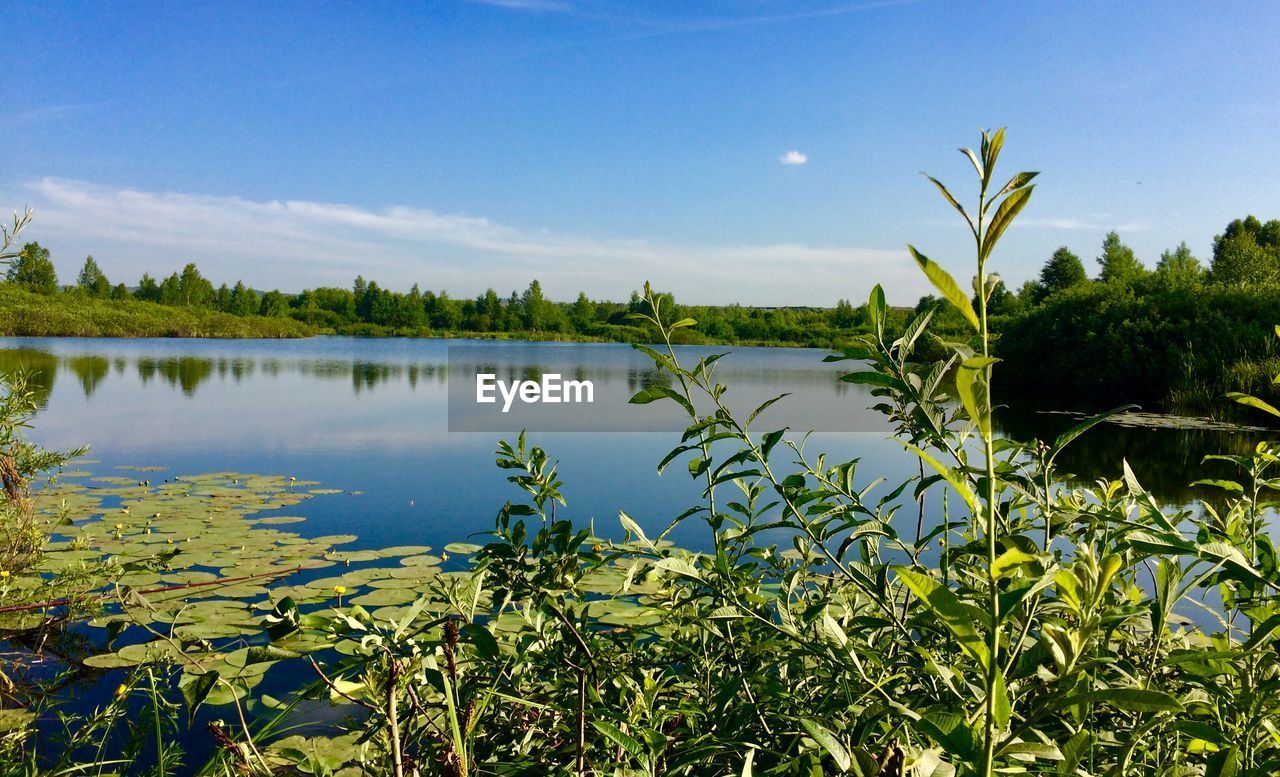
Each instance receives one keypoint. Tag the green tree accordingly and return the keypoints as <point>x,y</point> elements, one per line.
<point>1247,253</point>
<point>845,315</point>
<point>582,314</point>
<point>93,280</point>
<point>170,291</point>
<point>1118,262</point>
<point>34,269</point>
<point>273,304</point>
<point>148,290</point>
<point>119,292</point>
<point>193,289</point>
<point>244,302</point>
<point>1179,267</point>
<point>1063,270</point>
<point>534,307</point>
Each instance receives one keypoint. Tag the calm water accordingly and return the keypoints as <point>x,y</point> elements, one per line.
<point>371,415</point>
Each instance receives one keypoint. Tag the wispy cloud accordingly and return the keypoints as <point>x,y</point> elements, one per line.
<point>793,157</point>
<point>50,112</point>
<point>298,243</point>
<point>526,5</point>
<point>695,24</point>
<point>1093,224</point>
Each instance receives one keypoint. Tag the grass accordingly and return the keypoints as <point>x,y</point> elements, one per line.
<point>27,314</point>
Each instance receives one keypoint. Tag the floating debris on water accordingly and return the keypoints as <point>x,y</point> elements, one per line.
<point>1137,420</point>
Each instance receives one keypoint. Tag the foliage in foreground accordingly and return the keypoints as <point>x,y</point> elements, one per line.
<point>831,629</point>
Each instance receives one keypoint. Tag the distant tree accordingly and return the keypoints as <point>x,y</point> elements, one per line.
<point>92,279</point>
<point>1247,253</point>
<point>490,315</point>
<point>534,307</point>
<point>244,302</point>
<point>1063,270</point>
<point>845,315</point>
<point>273,304</point>
<point>171,291</point>
<point>148,290</point>
<point>1118,262</point>
<point>444,312</point>
<point>120,292</point>
<point>1179,267</point>
<point>408,310</point>
<point>924,303</point>
<point>582,313</point>
<point>222,299</point>
<point>34,269</point>
<point>193,290</point>
<point>1031,292</point>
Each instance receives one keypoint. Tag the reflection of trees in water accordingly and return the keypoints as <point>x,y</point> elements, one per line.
<point>41,369</point>
<point>184,372</point>
<point>1166,461</point>
<point>90,370</point>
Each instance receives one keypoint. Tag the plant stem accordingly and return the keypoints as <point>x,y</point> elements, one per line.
<point>988,765</point>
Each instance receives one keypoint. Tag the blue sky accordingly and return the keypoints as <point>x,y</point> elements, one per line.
<point>594,145</point>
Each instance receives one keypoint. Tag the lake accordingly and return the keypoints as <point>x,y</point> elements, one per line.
<point>371,417</point>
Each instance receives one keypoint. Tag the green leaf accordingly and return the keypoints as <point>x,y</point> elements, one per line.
<point>977,164</point>
<point>682,324</point>
<point>1225,485</point>
<point>653,393</point>
<point>1005,214</point>
<point>631,527</point>
<point>1008,561</point>
<point>1003,708</point>
<point>872,379</point>
<point>195,689</point>
<point>628,743</point>
<point>1018,181</point>
<point>1224,764</point>
<point>678,566</point>
<point>1066,438</point>
<point>1262,631</point>
<point>483,639</point>
<point>947,194</point>
<point>949,610</point>
<point>1131,699</point>
<point>1074,751</point>
<point>953,733</point>
<point>828,742</point>
<point>969,374</point>
<point>876,308</point>
<point>769,441</point>
<point>763,407</point>
<point>1251,401</point>
<point>947,286</point>
<point>951,476</point>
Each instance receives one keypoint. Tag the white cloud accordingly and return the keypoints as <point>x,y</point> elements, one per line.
<point>1091,224</point>
<point>526,5</point>
<point>793,157</point>
<point>298,244</point>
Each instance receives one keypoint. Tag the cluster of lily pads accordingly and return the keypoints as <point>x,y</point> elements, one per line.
<point>188,570</point>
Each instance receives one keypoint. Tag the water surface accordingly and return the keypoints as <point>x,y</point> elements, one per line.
<point>371,416</point>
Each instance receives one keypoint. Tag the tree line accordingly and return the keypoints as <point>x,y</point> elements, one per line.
<point>1181,331</point>
<point>370,309</point>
